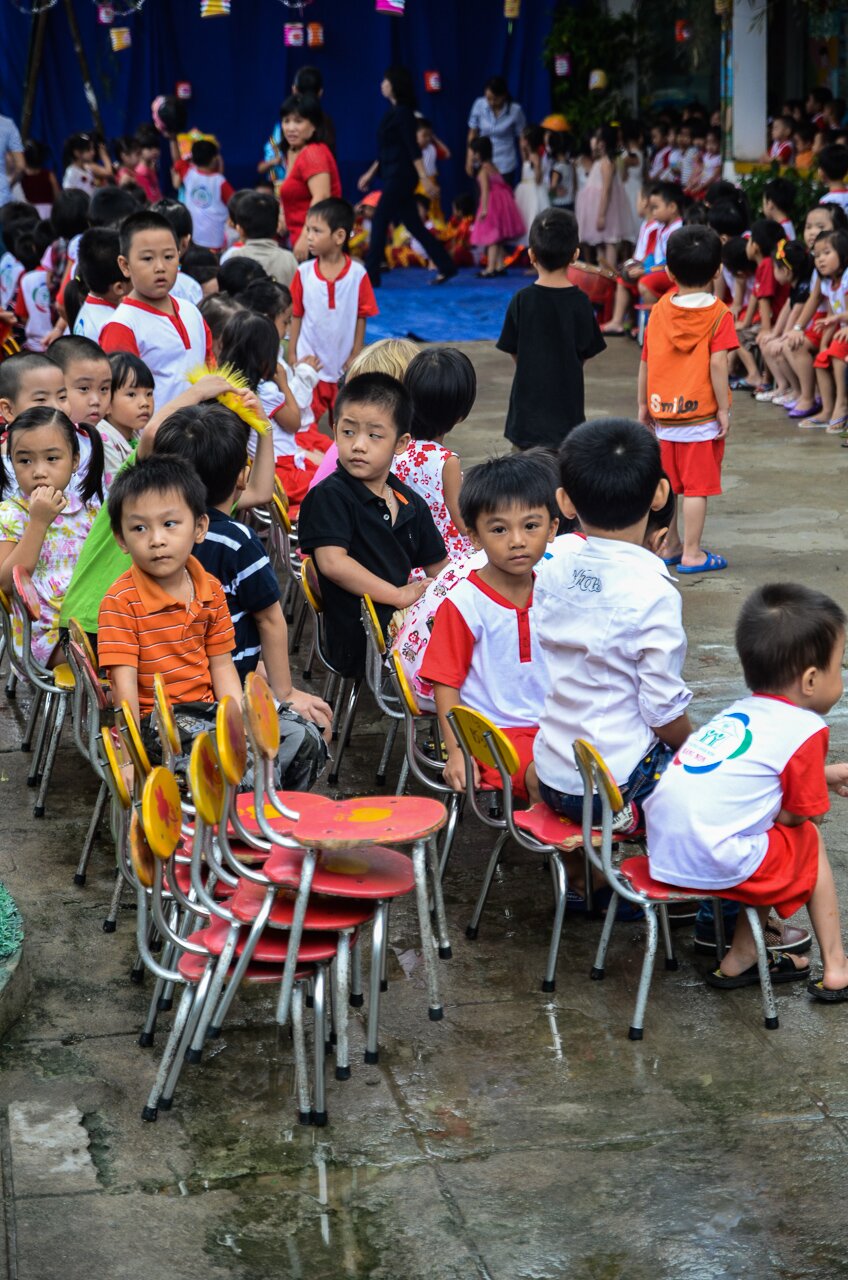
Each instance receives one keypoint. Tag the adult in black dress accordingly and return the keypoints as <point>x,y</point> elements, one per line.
<point>401,168</point>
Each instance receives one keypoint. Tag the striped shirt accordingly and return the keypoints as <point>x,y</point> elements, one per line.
<point>142,626</point>
<point>235,556</point>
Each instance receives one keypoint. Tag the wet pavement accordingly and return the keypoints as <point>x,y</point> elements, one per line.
<point>524,1137</point>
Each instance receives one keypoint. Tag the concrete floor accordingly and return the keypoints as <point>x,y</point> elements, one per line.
<point>522,1137</point>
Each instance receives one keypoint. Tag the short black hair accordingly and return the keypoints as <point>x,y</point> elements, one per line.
<point>795,256</point>
<point>307,107</point>
<point>443,386</point>
<point>734,256</point>
<point>838,217</point>
<point>16,367</point>
<point>98,259</point>
<point>251,343</point>
<point>69,215</point>
<point>29,244</point>
<point>308,80</point>
<point>498,86</point>
<point>236,273</point>
<point>73,348</point>
<point>693,255</point>
<point>839,241</point>
<point>267,297</point>
<point>177,214</point>
<point>110,205</point>
<point>528,479</point>
<point>158,473</point>
<point>465,204</point>
<point>35,153</point>
<point>17,214</point>
<point>833,161</point>
<point>257,213</point>
<point>143,220</point>
<point>804,130</point>
<point>337,214</point>
<point>696,214</point>
<point>481,147</point>
<point>662,518</point>
<point>204,151</point>
<point>821,94</point>
<point>212,440</point>
<point>783,629</point>
<point>670,193</point>
<point>200,263</point>
<point>781,191</point>
<point>766,235</point>
<point>727,219</point>
<point>554,238</point>
<point>383,391</point>
<point>91,484</point>
<point>610,470</point>
<point>129,370</point>
<point>403,86</point>
<point>217,310</point>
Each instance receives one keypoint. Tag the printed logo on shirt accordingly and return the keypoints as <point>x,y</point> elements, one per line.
<point>722,739</point>
<point>41,298</point>
<point>584,581</point>
<point>678,405</point>
<point>7,279</point>
<point>202,197</point>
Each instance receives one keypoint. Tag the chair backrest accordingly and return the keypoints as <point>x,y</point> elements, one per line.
<point>206,781</point>
<point>80,660</point>
<point>597,777</point>
<point>141,855</point>
<point>372,624</point>
<point>114,758</point>
<point>311,587</point>
<point>404,688</point>
<point>484,740</point>
<point>593,768</point>
<point>163,716</point>
<point>261,712</point>
<point>25,593</point>
<point>161,813</point>
<point>132,740</point>
<point>80,637</point>
<point>280,495</point>
<point>280,509</point>
<point>230,740</point>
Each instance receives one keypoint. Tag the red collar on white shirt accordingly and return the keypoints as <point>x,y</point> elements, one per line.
<point>100,302</point>
<point>175,319</point>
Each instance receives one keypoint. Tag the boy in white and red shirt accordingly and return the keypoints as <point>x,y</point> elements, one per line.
<point>106,283</point>
<point>206,192</point>
<point>782,148</point>
<point>483,650</point>
<point>32,300</point>
<point>736,813</point>
<point>170,336</point>
<point>332,298</point>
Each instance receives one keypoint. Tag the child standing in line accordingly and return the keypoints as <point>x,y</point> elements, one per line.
<point>779,202</point>
<point>603,210</point>
<point>684,394</point>
<point>129,412</point>
<point>531,195</point>
<point>332,298</point>
<point>103,278</point>
<point>81,171</point>
<point>38,183</point>
<point>171,337</point>
<point>32,301</point>
<point>793,265</point>
<point>206,192</point>
<point>737,812</point>
<point>830,254</point>
<point>549,330</point>
<point>805,336</point>
<point>498,217</point>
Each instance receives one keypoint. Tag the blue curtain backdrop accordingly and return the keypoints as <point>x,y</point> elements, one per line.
<point>240,70</point>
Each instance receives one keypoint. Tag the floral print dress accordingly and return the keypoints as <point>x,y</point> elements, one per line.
<point>420,466</point>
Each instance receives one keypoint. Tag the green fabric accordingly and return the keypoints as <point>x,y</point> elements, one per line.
<point>101,562</point>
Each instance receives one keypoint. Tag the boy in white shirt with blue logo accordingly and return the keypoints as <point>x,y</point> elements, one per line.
<point>737,811</point>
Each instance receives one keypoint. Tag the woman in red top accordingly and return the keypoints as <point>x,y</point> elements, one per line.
<point>312,173</point>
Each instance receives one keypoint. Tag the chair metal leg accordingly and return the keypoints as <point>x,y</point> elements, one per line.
<point>297,629</point>
<point>111,922</point>
<point>356,997</point>
<point>378,946</point>
<point>219,977</point>
<point>53,747</point>
<point>560,885</point>
<point>307,669</point>
<point>295,932</point>
<point>718,925</point>
<point>670,958</point>
<point>345,731</point>
<point>419,863</point>
<point>47,711</point>
<point>150,1111</point>
<point>301,1072</point>
<point>635,1032</point>
<point>235,980</point>
<point>12,686</point>
<point>342,985</point>
<point>384,955</point>
<point>445,952</point>
<point>91,835</point>
<point>181,1057</point>
<point>606,933</point>
<point>474,923</point>
<point>403,778</point>
<point>770,1017</point>
<point>319,1111</point>
<point>383,766</point>
<point>32,717</point>
<point>453,806</point>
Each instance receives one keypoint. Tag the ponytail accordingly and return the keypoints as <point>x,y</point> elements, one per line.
<point>92,485</point>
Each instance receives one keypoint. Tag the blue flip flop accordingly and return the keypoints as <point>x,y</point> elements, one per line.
<point>712,564</point>
<point>671,561</point>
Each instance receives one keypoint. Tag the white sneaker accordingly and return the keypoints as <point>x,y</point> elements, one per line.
<point>626,820</point>
<point>765,396</point>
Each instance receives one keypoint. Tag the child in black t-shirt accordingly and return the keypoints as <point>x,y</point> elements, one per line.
<point>365,530</point>
<point>549,330</point>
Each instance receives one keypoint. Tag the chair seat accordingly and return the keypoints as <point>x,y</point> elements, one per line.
<point>637,873</point>
<point>370,872</point>
<point>183,881</point>
<point>302,802</point>
<point>321,912</point>
<point>192,968</point>
<point>364,819</point>
<point>551,828</point>
<point>63,676</point>
<point>272,947</point>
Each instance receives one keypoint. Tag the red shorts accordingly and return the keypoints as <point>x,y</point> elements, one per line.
<point>657,282</point>
<point>787,875</point>
<point>295,480</point>
<point>312,438</point>
<point>833,351</point>
<point>522,739</point>
<point>693,467</point>
<point>812,334</point>
<point>323,399</point>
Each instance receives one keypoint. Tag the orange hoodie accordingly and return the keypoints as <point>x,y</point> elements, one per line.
<point>680,390</point>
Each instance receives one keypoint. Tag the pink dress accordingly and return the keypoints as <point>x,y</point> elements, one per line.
<point>420,466</point>
<point>618,222</point>
<point>503,221</point>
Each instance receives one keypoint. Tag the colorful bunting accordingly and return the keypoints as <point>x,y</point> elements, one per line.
<point>121,38</point>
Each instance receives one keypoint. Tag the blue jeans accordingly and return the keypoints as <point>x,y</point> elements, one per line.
<point>640,784</point>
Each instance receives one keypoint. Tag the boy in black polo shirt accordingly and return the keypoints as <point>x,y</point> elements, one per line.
<point>365,530</point>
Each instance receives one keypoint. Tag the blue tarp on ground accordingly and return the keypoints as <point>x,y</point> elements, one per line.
<point>464,310</point>
<point>240,69</point>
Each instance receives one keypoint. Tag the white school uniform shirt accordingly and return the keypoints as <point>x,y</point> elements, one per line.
<point>206,197</point>
<point>710,168</point>
<point>170,345</point>
<point>659,169</point>
<point>76,178</point>
<point>609,620</point>
<point>648,231</point>
<point>93,316</point>
<point>32,307</point>
<point>330,310</point>
<point>661,247</point>
<point>709,817</point>
<point>188,288</point>
<point>272,400</point>
<point>835,290</point>
<point>839,197</point>
<point>10,273</point>
<point>488,649</point>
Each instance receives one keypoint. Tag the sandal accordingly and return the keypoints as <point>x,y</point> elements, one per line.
<point>781,969</point>
<point>827,995</point>
<point>712,564</point>
<point>813,424</point>
<point>836,427</point>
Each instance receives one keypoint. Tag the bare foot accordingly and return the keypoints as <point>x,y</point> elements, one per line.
<point>835,977</point>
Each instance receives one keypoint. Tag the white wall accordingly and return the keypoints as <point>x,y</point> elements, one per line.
<point>749,79</point>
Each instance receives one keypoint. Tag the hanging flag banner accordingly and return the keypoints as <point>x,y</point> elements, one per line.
<point>105,15</point>
<point>214,8</point>
<point>293,35</point>
<point>391,6</point>
<point>315,35</point>
<point>183,90</point>
<point>512,9</point>
<point>562,65</point>
<point>121,38</point>
<point>433,81</point>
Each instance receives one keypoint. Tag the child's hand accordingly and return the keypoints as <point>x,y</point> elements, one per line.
<point>836,776</point>
<point>841,334</point>
<point>213,385</point>
<point>45,504</point>
<point>723,419</point>
<point>313,709</point>
<point>312,361</point>
<point>601,222</point>
<point>408,594</point>
<point>644,416</point>
<point>454,774</point>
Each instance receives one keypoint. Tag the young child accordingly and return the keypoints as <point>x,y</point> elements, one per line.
<point>206,193</point>
<point>498,218</point>
<point>779,202</point>
<point>781,150</point>
<point>660,168</point>
<point>185,285</point>
<point>563,182</point>
<point>147,169</point>
<point>103,278</point>
<point>32,299</point>
<point>626,290</point>
<point>683,388</point>
<point>130,410</point>
<point>30,380</point>
<point>129,154</point>
<point>737,813</point>
<point>711,159</point>
<point>14,218</point>
<point>81,171</point>
<point>332,298</point>
<point>443,386</point>
<point>484,650</point>
<point>793,265</point>
<point>38,183</point>
<point>255,215</point>
<point>217,310</point>
<point>666,206</point>
<point>213,441</point>
<point>267,298</point>
<point>45,520</point>
<point>765,303</point>
<point>549,330</point>
<point>805,337</point>
<point>830,254</point>
<point>609,622</point>
<point>88,380</point>
<point>802,140</point>
<point>365,530</point>
<point>832,162</point>
<point>531,195</point>
<point>171,337</point>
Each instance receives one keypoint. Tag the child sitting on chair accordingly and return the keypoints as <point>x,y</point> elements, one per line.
<point>484,651</point>
<point>737,812</point>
